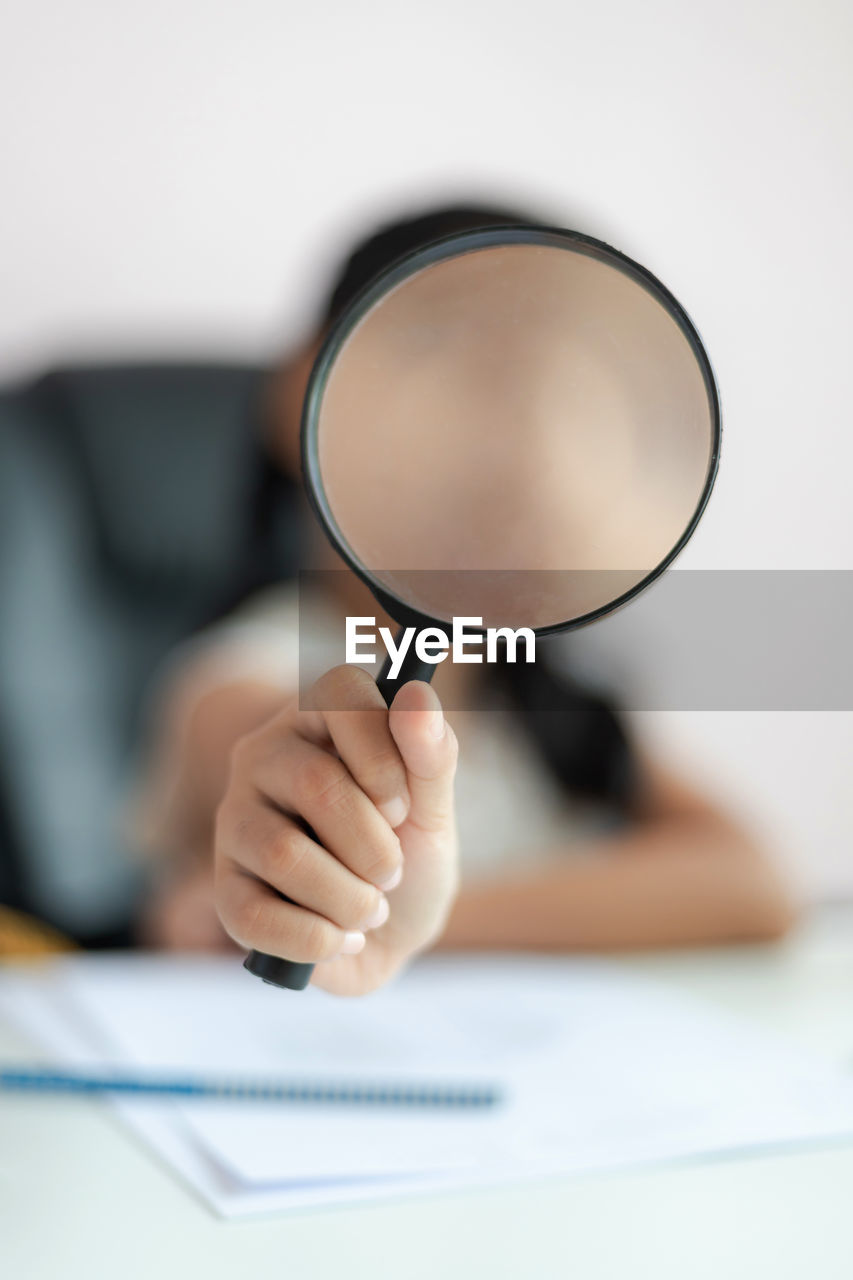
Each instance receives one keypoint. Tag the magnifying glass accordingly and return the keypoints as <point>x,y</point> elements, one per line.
<point>518,424</point>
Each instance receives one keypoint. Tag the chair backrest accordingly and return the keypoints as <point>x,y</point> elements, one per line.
<point>130,514</point>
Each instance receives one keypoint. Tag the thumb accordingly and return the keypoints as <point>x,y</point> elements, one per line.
<point>429,750</point>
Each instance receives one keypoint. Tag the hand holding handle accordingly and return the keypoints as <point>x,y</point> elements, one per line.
<point>289,974</point>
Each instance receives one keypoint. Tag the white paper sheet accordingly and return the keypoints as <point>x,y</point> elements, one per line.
<point>601,1070</point>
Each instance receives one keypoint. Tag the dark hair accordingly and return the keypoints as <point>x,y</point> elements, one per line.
<point>579,733</point>
<point>396,239</point>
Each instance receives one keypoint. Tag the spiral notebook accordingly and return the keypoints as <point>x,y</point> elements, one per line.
<point>597,1070</point>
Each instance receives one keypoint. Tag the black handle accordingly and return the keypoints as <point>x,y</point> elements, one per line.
<point>287,973</point>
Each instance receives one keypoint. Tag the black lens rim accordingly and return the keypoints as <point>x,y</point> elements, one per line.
<point>440,251</point>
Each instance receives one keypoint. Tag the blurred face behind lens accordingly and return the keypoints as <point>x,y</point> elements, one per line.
<point>514,410</point>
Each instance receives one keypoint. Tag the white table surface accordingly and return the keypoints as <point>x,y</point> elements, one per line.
<point>81,1198</point>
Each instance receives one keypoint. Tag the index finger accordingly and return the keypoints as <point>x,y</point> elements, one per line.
<point>358,725</point>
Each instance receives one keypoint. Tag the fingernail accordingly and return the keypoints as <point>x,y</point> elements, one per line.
<point>379,916</point>
<point>393,881</point>
<point>394,811</point>
<point>353,943</point>
<point>437,725</point>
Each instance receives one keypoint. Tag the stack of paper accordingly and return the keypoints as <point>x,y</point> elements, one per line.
<point>599,1070</point>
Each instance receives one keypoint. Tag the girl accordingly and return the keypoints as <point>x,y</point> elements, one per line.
<point>570,836</point>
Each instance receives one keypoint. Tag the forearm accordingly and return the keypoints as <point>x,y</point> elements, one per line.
<point>667,883</point>
<point>198,738</point>
<point>189,772</point>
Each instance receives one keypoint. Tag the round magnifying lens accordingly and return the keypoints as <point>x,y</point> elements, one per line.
<point>520,424</point>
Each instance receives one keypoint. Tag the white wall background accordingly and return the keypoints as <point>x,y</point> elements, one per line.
<point>177,174</point>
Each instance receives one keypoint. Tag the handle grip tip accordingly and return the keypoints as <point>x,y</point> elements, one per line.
<point>277,972</point>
